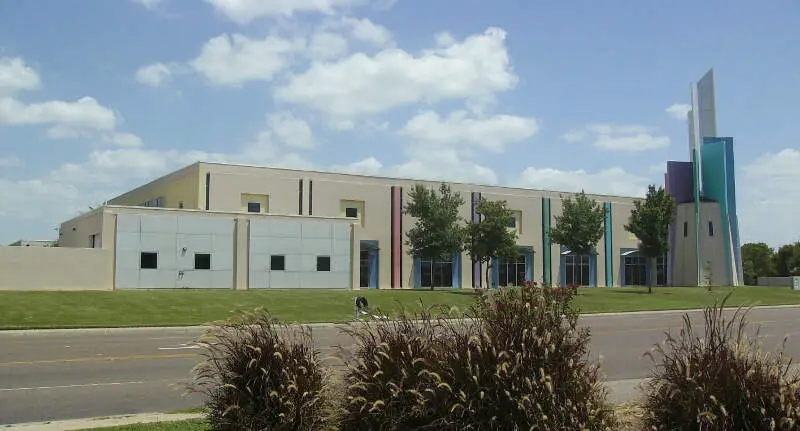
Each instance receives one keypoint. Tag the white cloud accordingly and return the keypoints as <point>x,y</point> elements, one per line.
<point>86,113</point>
<point>769,199</point>
<point>476,67</point>
<point>614,181</point>
<point>10,162</point>
<point>236,59</point>
<point>154,74</point>
<point>291,131</point>
<point>16,76</point>
<point>149,4</point>
<point>613,137</point>
<point>243,12</point>
<point>326,46</point>
<point>125,140</point>
<point>364,30</point>
<point>491,133</point>
<point>368,166</point>
<point>678,111</point>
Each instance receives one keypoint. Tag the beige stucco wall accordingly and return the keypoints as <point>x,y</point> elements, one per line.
<point>712,253</point>
<point>183,185</point>
<point>229,182</point>
<point>55,268</point>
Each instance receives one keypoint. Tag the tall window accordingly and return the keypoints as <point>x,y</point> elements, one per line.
<point>661,271</point>
<point>710,228</point>
<point>635,270</point>
<point>576,269</point>
<point>512,273</point>
<point>364,271</point>
<point>436,273</point>
<point>685,229</point>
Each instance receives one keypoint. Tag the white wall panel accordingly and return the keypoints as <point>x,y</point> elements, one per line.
<point>301,241</point>
<point>176,239</point>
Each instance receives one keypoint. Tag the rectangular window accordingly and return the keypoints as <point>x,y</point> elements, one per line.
<point>436,273</point>
<point>202,261</point>
<point>685,229</point>
<point>512,273</point>
<point>512,222</point>
<point>93,241</point>
<point>148,260</point>
<point>323,263</point>
<point>254,207</point>
<point>710,229</point>
<point>277,263</point>
<point>351,212</point>
<point>577,269</point>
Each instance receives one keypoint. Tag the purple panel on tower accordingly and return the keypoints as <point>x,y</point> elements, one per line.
<point>680,181</point>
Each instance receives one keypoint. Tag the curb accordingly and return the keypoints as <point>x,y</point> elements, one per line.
<point>102,422</point>
<point>200,328</point>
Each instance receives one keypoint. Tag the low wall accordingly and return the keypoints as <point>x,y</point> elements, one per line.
<point>55,268</point>
<point>779,281</point>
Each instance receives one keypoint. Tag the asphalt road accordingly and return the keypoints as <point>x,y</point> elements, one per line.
<point>52,375</point>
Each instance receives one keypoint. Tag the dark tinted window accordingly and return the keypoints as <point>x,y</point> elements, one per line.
<point>277,263</point>
<point>148,260</point>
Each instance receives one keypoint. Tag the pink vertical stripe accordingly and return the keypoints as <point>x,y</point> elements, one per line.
<point>397,242</point>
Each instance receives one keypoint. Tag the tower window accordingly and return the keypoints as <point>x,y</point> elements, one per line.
<point>710,228</point>
<point>685,229</point>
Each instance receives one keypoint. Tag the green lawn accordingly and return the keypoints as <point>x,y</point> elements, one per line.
<point>26,310</point>
<point>190,425</point>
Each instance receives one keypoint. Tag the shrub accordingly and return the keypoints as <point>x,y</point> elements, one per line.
<point>392,380</point>
<point>263,375</point>
<point>720,381</point>
<point>516,362</point>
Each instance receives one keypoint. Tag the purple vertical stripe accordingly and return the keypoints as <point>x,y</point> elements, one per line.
<point>476,265</point>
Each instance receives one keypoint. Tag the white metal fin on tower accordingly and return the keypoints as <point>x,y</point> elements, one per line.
<point>706,107</point>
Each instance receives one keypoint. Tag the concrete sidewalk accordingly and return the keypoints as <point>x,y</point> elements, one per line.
<point>102,422</point>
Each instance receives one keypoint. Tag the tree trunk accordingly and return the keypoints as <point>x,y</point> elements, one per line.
<point>653,274</point>
<point>488,281</point>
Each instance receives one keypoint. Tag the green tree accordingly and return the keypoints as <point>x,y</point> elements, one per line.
<point>757,261</point>
<point>438,231</point>
<point>580,225</point>
<point>649,221</point>
<point>490,237</point>
<point>787,260</point>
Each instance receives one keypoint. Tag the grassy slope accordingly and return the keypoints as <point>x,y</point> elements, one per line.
<point>23,310</point>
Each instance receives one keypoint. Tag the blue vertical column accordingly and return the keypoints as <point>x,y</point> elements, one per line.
<point>529,264</point>
<point>457,270</point>
<point>476,265</point>
<point>373,269</point>
<point>609,247</point>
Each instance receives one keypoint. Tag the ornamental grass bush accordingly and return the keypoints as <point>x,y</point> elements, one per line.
<point>260,374</point>
<point>718,378</point>
<point>516,361</point>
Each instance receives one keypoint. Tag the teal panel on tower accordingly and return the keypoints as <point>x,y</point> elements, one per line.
<point>609,247</point>
<point>546,247</point>
<point>719,185</point>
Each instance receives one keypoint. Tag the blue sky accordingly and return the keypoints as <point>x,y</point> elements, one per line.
<point>98,96</point>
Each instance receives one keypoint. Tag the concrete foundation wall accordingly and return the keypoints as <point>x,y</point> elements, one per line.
<point>55,268</point>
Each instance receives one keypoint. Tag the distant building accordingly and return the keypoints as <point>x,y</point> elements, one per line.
<point>33,243</point>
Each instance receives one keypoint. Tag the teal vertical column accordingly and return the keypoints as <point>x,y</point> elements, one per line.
<point>697,190</point>
<point>609,247</point>
<point>547,268</point>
